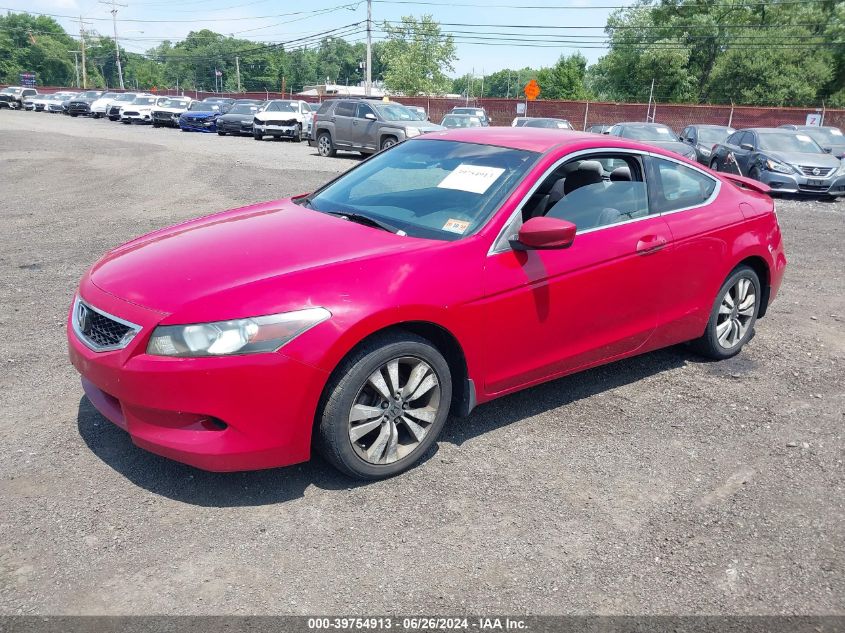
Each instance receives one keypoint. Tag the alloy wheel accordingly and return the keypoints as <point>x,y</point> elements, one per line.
<point>736,311</point>
<point>394,410</point>
<point>324,145</point>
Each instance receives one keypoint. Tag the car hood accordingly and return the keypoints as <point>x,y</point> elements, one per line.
<point>199,114</point>
<point>825,161</point>
<point>170,268</point>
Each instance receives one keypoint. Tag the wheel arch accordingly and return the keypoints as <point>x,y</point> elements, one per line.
<point>761,267</point>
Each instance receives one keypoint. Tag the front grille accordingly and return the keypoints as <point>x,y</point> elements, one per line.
<point>99,331</point>
<point>814,188</point>
<point>811,171</point>
<point>114,110</point>
<point>125,113</point>
<point>285,122</point>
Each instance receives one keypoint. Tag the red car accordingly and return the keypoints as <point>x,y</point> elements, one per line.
<point>455,268</point>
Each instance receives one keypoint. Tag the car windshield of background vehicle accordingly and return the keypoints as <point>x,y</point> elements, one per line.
<point>396,112</point>
<point>144,101</point>
<point>244,108</point>
<point>428,188</point>
<point>125,97</point>
<point>827,136</point>
<point>175,103</point>
<point>789,142</point>
<point>658,133</point>
<point>287,106</point>
<point>713,136</point>
<point>8,91</point>
<point>202,106</point>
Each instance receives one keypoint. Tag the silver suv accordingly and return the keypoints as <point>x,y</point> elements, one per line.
<point>364,125</point>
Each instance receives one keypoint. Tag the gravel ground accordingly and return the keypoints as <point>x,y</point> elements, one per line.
<point>658,485</point>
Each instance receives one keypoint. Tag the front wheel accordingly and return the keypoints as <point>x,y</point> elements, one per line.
<point>297,134</point>
<point>325,146</point>
<point>714,165</point>
<point>221,133</point>
<point>388,143</point>
<point>734,314</point>
<point>385,407</point>
<point>257,136</point>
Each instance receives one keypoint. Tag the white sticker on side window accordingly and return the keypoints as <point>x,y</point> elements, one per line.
<point>472,178</point>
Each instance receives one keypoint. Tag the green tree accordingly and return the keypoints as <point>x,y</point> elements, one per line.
<point>416,55</point>
<point>564,80</point>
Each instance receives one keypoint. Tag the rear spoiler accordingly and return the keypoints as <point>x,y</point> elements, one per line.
<point>746,183</point>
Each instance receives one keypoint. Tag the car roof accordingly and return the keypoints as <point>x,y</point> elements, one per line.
<point>710,125</point>
<point>641,124</point>
<point>534,139</point>
<point>777,130</point>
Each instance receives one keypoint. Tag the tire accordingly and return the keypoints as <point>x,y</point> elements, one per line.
<point>221,133</point>
<point>387,439</point>
<point>714,165</point>
<point>325,145</point>
<point>388,142</point>
<point>754,173</point>
<point>297,134</point>
<point>74,115</point>
<point>735,336</point>
<point>156,124</point>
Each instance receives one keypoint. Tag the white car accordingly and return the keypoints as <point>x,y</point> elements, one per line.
<point>36,103</point>
<point>283,118</point>
<point>100,107</point>
<point>166,113</point>
<point>140,110</point>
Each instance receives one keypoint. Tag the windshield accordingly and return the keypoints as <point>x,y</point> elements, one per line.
<point>713,135</point>
<point>8,91</point>
<point>244,108</point>
<point>473,111</point>
<point>202,106</point>
<point>428,188</point>
<point>789,142</point>
<point>286,106</point>
<point>91,94</point>
<point>396,112</point>
<point>452,120</point>
<point>144,101</point>
<point>108,95</point>
<point>174,103</point>
<point>826,136</point>
<point>126,96</point>
<point>648,133</point>
<point>548,123</point>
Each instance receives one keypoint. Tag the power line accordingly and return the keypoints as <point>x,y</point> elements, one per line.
<point>581,8</point>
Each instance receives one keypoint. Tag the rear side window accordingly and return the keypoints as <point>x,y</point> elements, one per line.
<point>678,186</point>
<point>345,108</point>
<point>325,107</point>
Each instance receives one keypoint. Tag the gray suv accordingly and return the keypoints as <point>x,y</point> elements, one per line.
<point>364,125</point>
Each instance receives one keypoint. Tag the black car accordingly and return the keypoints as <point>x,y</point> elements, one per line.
<point>238,120</point>
<point>702,138</point>
<point>81,103</point>
<point>655,134</point>
<point>599,128</point>
<point>826,135</point>
<point>788,161</point>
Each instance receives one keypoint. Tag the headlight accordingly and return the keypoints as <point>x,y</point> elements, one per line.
<point>704,151</point>
<point>412,131</point>
<point>841,170</point>
<point>781,168</point>
<point>241,336</point>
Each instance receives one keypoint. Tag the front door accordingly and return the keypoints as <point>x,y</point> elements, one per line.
<point>552,312</point>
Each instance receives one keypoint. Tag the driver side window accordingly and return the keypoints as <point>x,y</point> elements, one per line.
<point>592,192</point>
<point>363,111</point>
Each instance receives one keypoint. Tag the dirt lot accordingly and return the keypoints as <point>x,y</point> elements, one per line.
<point>661,484</point>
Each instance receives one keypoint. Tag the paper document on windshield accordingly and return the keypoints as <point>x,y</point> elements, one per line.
<point>472,178</point>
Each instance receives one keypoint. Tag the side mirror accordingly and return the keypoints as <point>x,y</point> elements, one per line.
<point>370,116</point>
<point>827,150</point>
<point>544,233</point>
<point>748,147</point>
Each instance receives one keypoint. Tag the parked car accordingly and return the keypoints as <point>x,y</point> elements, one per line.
<point>702,138</point>
<point>140,110</point>
<point>59,104</point>
<point>788,161</point>
<point>827,136</point>
<point>40,102</point>
<point>554,124</point>
<point>481,113</point>
<point>12,97</point>
<point>283,118</point>
<point>599,128</point>
<point>166,113</point>
<point>461,120</point>
<point>66,102</point>
<point>238,120</point>
<point>426,280</point>
<point>364,125</point>
<point>422,115</point>
<point>201,116</point>
<point>100,106</point>
<point>81,103</point>
<point>125,98</point>
<point>519,121</point>
<point>655,134</point>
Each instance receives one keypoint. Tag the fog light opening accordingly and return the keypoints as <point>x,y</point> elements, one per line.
<point>213,424</point>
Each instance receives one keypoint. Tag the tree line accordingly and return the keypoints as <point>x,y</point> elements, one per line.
<point>727,51</point>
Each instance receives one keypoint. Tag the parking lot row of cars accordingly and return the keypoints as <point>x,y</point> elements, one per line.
<point>789,159</point>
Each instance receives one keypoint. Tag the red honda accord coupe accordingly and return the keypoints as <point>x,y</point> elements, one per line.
<point>455,268</point>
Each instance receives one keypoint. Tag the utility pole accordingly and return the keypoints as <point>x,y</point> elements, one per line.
<point>76,65</point>
<point>369,86</point>
<point>82,24</point>
<point>650,95</point>
<point>238,72</point>
<point>114,4</point>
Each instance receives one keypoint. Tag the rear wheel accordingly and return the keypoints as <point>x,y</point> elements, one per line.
<point>257,136</point>
<point>385,407</point>
<point>734,314</point>
<point>325,146</point>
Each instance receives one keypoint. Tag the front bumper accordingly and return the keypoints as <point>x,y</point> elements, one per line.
<point>144,117</point>
<point>804,185</point>
<point>191,125</point>
<point>233,127</point>
<point>79,109</point>
<point>165,118</point>
<point>269,129</point>
<point>220,414</point>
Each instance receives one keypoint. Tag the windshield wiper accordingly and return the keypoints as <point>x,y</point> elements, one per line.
<point>360,218</point>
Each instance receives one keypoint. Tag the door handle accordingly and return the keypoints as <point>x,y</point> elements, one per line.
<point>651,244</point>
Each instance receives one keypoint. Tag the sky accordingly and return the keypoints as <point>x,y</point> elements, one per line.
<point>556,26</point>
